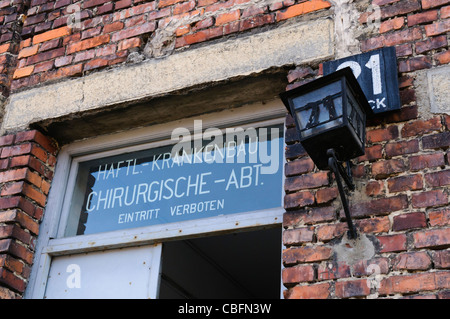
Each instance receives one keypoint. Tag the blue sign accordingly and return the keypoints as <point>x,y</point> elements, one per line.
<point>161,185</point>
<point>376,72</point>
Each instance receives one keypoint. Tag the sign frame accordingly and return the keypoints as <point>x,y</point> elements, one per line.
<point>377,73</point>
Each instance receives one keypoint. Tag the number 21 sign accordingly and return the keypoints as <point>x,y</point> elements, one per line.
<point>376,72</point>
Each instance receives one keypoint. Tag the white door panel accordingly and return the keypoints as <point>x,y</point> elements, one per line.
<point>119,273</point>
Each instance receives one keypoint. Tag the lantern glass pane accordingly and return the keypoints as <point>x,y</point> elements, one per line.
<point>355,117</point>
<point>319,110</point>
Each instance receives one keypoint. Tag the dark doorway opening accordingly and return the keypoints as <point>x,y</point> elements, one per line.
<point>239,265</point>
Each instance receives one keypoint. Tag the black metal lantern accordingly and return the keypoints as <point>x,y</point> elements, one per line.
<point>330,115</point>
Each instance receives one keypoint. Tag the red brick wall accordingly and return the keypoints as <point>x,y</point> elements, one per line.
<point>401,205</point>
<point>402,199</point>
<point>27,160</point>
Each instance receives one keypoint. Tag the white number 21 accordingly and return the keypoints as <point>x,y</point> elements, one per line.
<point>373,65</point>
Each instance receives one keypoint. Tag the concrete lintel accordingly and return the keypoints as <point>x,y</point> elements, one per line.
<point>295,43</point>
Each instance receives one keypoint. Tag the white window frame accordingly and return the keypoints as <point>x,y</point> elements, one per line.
<point>50,241</point>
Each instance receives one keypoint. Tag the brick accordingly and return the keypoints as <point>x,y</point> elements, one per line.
<point>409,221</point>
<point>5,47</point>
<point>47,55</point>
<point>88,43</point>
<point>297,274</point>
<point>373,225</point>
<point>374,188</point>
<point>129,43</point>
<point>370,267</point>
<point>380,135</point>
<point>227,17</point>
<point>64,60</point>
<point>123,4</point>
<point>408,95</point>
<point>95,64</point>
<point>291,135</point>
<point>429,199</point>
<point>43,66</point>
<point>49,45</point>
<point>28,51</point>
<point>405,183</point>
<point>34,194</point>
<point>36,136</point>
<point>402,148</point>
<point>372,43</point>
<point>89,33</point>
<point>22,72</point>
<point>431,44</point>
<point>203,24</point>
<point>376,207</point>
<point>326,195</point>
<point>10,280</point>
<point>422,17</point>
<point>394,24</point>
<point>441,259</point>
<point>333,270</point>
<point>84,55</point>
<point>202,3</point>
<point>306,181</point>
<point>299,73</point>
<point>165,3</point>
<point>383,169</point>
<point>445,12</point>
<point>300,166</point>
<point>414,64</point>
<point>421,126</point>
<point>13,175</point>
<point>400,8</point>
<point>302,8</point>
<point>328,232</point>
<point>7,140</point>
<point>417,282</point>
<point>306,254</point>
<point>439,217</point>
<point>372,153</point>
<point>297,200</point>
<point>443,57</point>
<point>352,288</point>
<point>438,179</point>
<point>52,34</point>
<point>12,188</point>
<point>294,151</point>
<point>315,291</point>
<point>256,21</point>
<point>436,141</point>
<point>392,243</point>
<point>184,7</point>
<point>133,31</point>
<point>115,26</point>
<point>93,3</point>
<point>298,236</point>
<point>426,4</point>
<point>434,238</point>
<point>437,28</point>
<point>412,261</point>
<point>312,216</point>
<point>420,162</point>
<point>17,216</point>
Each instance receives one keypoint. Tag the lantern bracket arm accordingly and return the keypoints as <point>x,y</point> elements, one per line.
<point>346,175</point>
<point>339,171</point>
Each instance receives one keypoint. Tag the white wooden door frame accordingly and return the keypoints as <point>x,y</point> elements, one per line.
<point>50,241</point>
